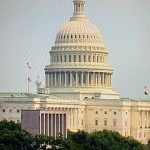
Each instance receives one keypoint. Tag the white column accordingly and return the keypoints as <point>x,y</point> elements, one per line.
<point>62,123</point>
<point>81,78</point>
<point>59,78</point>
<point>55,126</point>
<point>102,79</point>
<point>70,78</point>
<point>87,78</point>
<point>55,79</point>
<point>51,78</point>
<point>110,80</point>
<point>92,79</point>
<point>106,80</point>
<point>75,118</point>
<point>65,78</point>
<point>95,78</point>
<point>76,78</point>
<point>46,79</point>
<point>40,123</point>
<point>99,79</point>
<point>44,123</point>
<point>48,123</point>
<point>52,133</point>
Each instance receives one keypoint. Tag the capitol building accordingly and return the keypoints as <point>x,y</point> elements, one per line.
<point>78,80</point>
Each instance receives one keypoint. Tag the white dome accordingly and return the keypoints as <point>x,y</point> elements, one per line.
<point>79,29</point>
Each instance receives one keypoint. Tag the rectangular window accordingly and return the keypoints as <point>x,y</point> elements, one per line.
<point>115,112</point>
<point>114,123</point>
<point>10,110</point>
<point>82,122</point>
<point>96,112</point>
<point>3,110</point>
<point>125,123</point>
<point>18,110</point>
<point>96,122</point>
<point>105,122</point>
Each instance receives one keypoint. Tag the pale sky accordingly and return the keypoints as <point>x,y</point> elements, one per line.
<point>28,29</point>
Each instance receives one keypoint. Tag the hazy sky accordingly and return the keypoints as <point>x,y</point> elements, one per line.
<point>28,29</point>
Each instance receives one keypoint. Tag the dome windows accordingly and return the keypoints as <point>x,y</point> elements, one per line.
<point>83,58</point>
<point>65,58</point>
<point>77,37</point>
<point>69,58</point>
<point>79,58</point>
<point>74,58</point>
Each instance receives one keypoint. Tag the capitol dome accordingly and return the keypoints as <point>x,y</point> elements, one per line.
<point>79,28</point>
<point>79,60</point>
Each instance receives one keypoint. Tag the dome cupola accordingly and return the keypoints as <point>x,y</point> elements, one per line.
<point>79,29</point>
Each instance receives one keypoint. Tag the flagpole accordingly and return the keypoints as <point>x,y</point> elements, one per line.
<point>27,79</point>
<point>28,67</point>
<point>28,85</point>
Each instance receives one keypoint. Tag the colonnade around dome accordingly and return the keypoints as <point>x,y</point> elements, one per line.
<point>78,79</point>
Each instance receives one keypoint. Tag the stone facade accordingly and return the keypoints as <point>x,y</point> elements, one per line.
<point>81,79</point>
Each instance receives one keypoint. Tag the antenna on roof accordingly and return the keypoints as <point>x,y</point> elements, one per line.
<point>38,83</point>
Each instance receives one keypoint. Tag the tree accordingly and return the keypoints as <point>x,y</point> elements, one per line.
<point>105,140</point>
<point>13,138</point>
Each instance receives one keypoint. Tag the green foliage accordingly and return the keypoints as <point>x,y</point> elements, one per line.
<point>12,138</point>
<point>104,140</point>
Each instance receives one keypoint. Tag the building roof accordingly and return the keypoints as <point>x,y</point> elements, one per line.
<point>26,95</point>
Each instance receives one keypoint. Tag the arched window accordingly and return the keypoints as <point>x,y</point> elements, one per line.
<point>84,58</point>
<point>54,59</point>
<point>65,58</point>
<point>61,58</point>
<point>101,59</point>
<point>57,58</point>
<point>89,58</point>
<point>79,58</point>
<point>69,58</point>
<point>93,58</point>
<point>74,58</point>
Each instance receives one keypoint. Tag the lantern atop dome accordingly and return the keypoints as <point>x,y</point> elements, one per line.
<point>78,10</point>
